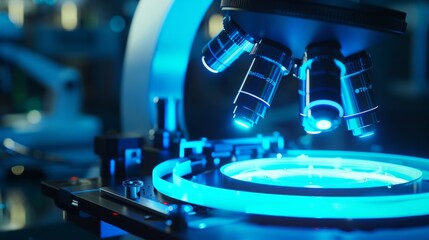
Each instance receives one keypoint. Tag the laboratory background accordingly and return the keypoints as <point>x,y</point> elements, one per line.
<point>61,70</point>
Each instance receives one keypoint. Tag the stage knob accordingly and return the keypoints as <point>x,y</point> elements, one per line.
<point>132,188</point>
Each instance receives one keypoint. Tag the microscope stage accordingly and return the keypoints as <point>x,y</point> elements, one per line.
<point>282,194</point>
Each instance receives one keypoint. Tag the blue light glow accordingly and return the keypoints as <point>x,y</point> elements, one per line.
<point>323,102</point>
<point>207,66</point>
<point>323,124</point>
<point>341,66</point>
<point>202,225</point>
<point>170,115</point>
<point>322,172</point>
<point>312,132</point>
<point>107,230</point>
<point>329,207</point>
<point>367,135</point>
<point>241,124</point>
<point>112,167</point>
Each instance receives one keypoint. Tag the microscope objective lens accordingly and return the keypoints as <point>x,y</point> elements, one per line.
<point>226,47</point>
<point>357,92</point>
<point>271,62</point>
<point>320,94</point>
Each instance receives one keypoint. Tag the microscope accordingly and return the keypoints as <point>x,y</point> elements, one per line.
<point>167,186</point>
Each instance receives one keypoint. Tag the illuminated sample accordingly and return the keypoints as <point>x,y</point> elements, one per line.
<point>271,62</point>
<point>308,206</point>
<point>226,47</point>
<point>327,173</point>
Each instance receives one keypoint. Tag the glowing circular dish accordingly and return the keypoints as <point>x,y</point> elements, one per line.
<point>181,187</point>
<point>321,176</point>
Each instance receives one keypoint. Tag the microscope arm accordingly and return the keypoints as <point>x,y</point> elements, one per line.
<point>157,54</point>
<point>62,83</point>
